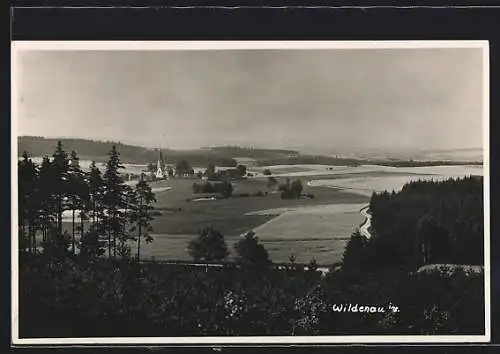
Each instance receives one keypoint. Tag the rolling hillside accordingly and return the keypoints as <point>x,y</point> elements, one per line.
<point>98,150</point>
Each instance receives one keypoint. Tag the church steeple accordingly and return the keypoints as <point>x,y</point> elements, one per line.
<point>160,166</point>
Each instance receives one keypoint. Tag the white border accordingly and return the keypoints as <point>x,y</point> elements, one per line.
<point>246,45</point>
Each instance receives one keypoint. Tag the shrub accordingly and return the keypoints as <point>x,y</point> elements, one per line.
<point>225,189</point>
<point>272,180</point>
<point>210,246</point>
<point>291,190</point>
<point>251,252</point>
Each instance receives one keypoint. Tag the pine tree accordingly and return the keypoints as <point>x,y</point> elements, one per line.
<point>114,199</point>
<point>96,192</point>
<point>60,184</point>
<point>142,212</point>
<point>77,193</point>
<point>129,197</point>
<point>354,252</point>
<point>28,199</point>
<point>46,198</point>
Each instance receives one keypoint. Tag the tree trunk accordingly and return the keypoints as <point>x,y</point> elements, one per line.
<point>139,244</point>
<point>32,235</point>
<point>44,229</point>
<point>23,233</point>
<point>109,238</point>
<point>114,237</point>
<point>30,241</point>
<point>59,217</point>
<point>140,231</point>
<point>73,233</point>
<point>81,225</point>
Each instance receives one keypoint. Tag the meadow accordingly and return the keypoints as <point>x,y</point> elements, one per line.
<point>181,219</point>
<point>306,228</point>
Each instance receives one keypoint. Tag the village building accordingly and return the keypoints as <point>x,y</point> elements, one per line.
<point>161,168</point>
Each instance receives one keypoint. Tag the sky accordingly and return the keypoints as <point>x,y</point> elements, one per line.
<point>396,99</point>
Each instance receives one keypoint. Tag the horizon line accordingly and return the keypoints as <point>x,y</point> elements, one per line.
<point>245,146</point>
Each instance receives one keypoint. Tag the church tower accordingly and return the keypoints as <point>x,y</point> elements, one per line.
<point>161,172</point>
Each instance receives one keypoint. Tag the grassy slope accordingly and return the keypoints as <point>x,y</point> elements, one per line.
<point>228,215</point>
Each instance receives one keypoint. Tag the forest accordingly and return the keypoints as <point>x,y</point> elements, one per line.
<point>428,222</point>
<point>87,283</point>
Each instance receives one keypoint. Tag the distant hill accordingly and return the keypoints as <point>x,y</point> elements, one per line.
<point>450,155</point>
<point>253,153</point>
<point>98,151</point>
<point>220,156</point>
<point>470,154</point>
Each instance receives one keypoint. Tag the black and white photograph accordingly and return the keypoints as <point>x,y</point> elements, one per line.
<point>250,192</point>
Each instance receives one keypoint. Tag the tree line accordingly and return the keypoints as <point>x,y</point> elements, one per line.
<point>427,222</point>
<point>115,212</point>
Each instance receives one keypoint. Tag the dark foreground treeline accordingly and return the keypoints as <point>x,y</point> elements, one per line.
<point>425,223</point>
<point>103,291</point>
<point>72,298</point>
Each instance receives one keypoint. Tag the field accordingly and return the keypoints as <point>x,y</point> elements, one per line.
<point>181,220</point>
<point>307,228</point>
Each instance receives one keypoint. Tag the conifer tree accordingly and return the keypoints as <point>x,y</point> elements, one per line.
<point>28,202</point>
<point>46,198</point>
<point>142,212</point>
<point>96,193</point>
<point>114,200</point>
<point>353,256</point>
<point>60,183</point>
<point>77,193</point>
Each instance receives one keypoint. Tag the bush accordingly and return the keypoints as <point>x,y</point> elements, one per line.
<point>225,189</point>
<point>272,180</point>
<point>251,252</point>
<point>291,190</point>
<point>210,246</point>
